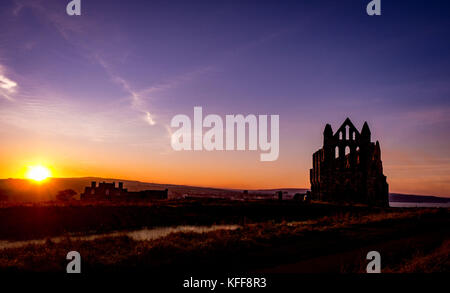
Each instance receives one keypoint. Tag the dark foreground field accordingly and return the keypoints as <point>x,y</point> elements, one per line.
<point>273,237</point>
<point>38,220</point>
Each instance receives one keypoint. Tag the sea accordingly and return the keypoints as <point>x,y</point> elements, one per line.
<point>395,204</point>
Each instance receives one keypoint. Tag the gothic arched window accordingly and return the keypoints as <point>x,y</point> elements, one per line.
<point>347,150</point>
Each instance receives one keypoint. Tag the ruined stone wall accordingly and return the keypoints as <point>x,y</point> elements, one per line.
<point>348,167</point>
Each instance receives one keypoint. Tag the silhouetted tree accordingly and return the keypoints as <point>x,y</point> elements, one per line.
<point>280,195</point>
<point>66,194</point>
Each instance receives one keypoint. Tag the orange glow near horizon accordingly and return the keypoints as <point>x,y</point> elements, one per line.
<point>406,174</point>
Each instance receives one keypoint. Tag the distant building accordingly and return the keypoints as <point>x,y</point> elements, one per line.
<point>109,191</point>
<point>349,167</point>
<point>304,197</point>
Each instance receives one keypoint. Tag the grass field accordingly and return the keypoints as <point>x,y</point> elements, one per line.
<point>273,237</point>
<point>38,220</point>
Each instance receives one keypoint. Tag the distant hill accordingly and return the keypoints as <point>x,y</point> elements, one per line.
<point>23,190</point>
<point>290,191</point>
<point>397,197</point>
<point>27,191</point>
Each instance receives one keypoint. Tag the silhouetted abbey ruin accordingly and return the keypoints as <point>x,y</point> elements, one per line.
<point>349,167</point>
<point>109,191</point>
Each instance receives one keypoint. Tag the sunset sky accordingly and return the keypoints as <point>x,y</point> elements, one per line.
<point>93,95</point>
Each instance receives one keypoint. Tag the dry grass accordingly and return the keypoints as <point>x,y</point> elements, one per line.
<point>250,248</point>
<point>40,220</point>
<point>436,261</point>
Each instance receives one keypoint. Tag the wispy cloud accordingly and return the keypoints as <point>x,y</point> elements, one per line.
<point>56,115</point>
<point>7,86</point>
<point>429,116</point>
<point>424,117</point>
<point>138,98</point>
<point>174,81</point>
<point>70,29</point>
<point>66,26</point>
<point>134,96</point>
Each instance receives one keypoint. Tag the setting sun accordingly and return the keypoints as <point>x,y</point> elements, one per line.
<point>38,173</point>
